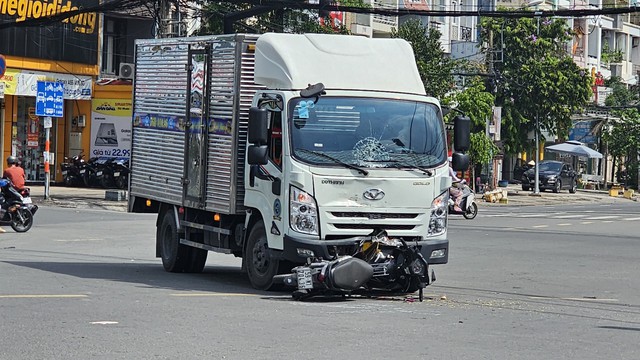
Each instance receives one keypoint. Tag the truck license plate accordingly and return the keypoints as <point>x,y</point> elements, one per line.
<point>305,281</point>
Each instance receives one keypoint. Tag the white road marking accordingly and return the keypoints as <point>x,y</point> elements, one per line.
<point>586,222</point>
<point>40,296</point>
<point>570,216</point>
<point>631,219</point>
<point>78,240</point>
<point>104,322</point>
<point>540,226</point>
<point>602,217</point>
<point>564,224</point>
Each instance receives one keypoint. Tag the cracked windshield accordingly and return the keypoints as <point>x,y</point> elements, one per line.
<point>368,133</point>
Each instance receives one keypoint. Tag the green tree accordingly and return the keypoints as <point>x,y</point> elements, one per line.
<point>477,103</point>
<point>535,78</point>
<point>434,66</point>
<point>621,95</point>
<point>623,141</point>
<point>277,20</point>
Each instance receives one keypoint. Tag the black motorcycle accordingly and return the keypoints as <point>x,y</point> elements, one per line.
<point>95,172</point>
<point>381,265</point>
<point>120,172</point>
<point>71,170</point>
<point>13,210</point>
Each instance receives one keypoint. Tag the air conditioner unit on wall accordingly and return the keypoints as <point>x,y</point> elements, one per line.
<point>126,71</point>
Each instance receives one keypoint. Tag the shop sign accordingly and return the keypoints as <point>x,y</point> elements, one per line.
<point>111,127</point>
<point>1,89</point>
<point>25,83</point>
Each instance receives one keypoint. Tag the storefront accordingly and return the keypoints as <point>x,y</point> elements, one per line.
<point>23,131</point>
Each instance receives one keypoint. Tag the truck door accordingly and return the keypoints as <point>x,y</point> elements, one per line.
<point>195,165</point>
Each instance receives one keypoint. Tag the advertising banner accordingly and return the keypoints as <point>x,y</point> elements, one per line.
<point>25,83</point>
<point>111,127</point>
<point>22,35</point>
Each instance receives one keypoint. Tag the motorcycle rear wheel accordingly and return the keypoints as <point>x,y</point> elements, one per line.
<point>21,220</point>
<point>471,211</point>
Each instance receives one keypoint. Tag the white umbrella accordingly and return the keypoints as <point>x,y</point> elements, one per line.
<point>575,148</point>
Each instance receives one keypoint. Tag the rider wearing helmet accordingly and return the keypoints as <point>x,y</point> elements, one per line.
<point>14,173</point>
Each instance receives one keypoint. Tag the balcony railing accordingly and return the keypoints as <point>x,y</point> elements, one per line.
<point>465,33</point>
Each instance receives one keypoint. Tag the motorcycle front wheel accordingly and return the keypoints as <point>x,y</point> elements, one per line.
<point>21,220</point>
<point>471,212</point>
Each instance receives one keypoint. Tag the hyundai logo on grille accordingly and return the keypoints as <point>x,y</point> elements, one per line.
<point>373,194</point>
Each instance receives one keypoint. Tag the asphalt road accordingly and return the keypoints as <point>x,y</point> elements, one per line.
<point>522,283</point>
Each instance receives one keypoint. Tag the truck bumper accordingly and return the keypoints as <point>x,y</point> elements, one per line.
<point>298,250</point>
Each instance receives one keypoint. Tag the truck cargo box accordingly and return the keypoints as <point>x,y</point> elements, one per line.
<point>161,125</point>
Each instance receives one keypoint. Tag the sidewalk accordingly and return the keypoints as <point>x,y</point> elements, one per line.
<point>517,197</point>
<point>95,198</point>
<point>77,197</point>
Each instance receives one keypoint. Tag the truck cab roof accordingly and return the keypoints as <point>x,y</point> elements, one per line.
<point>293,61</point>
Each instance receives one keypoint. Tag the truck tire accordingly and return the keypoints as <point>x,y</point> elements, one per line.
<point>175,257</point>
<point>261,267</point>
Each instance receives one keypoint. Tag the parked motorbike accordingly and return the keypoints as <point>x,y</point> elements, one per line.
<point>467,202</point>
<point>93,171</point>
<point>381,264</point>
<point>71,170</point>
<point>13,209</point>
<point>120,172</point>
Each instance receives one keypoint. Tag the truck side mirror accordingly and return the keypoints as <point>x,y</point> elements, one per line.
<point>258,122</point>
<point>459,161</point>
<point>257,154</point>
<point>461,133</point>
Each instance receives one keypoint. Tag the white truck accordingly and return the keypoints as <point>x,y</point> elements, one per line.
<point>280,147</point>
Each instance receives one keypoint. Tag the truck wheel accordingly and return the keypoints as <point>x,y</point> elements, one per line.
<point>174,256</point>
<point>261,267</point>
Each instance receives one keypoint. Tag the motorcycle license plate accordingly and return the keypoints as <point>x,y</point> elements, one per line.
<point>116,174</point>
<point>99,173</point>
<point>64,173</point>
<point>305,281</point>
<point>82,171</point>
<point>27,200</point>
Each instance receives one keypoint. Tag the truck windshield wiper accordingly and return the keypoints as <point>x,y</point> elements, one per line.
<point>335,160</point>
<point>399,164</point>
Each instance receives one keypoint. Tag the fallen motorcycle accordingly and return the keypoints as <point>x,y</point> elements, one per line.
<point>13,209</point>
<point>381,265</point>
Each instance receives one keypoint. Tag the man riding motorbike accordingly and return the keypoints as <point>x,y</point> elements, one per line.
<point>454,191</point>
<point>14,173</point>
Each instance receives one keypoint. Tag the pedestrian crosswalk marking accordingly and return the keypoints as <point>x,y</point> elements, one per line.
<point>630,219</point>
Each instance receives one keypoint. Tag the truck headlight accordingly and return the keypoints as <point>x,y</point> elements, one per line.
<point>303,212</point>
<point>438,218</point>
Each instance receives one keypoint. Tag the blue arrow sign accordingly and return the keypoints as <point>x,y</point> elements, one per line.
<point>50,99</point>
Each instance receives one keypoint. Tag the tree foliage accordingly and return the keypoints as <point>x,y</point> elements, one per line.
<point>623,140</point>
<point>535,78</point>
<point>277,20</point>
<point>434,66</point>
<point>477,103</point>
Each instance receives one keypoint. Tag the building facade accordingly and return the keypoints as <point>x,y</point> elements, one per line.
<point>78,52</point>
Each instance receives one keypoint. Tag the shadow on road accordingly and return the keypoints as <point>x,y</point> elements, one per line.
<point>214,279</point>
